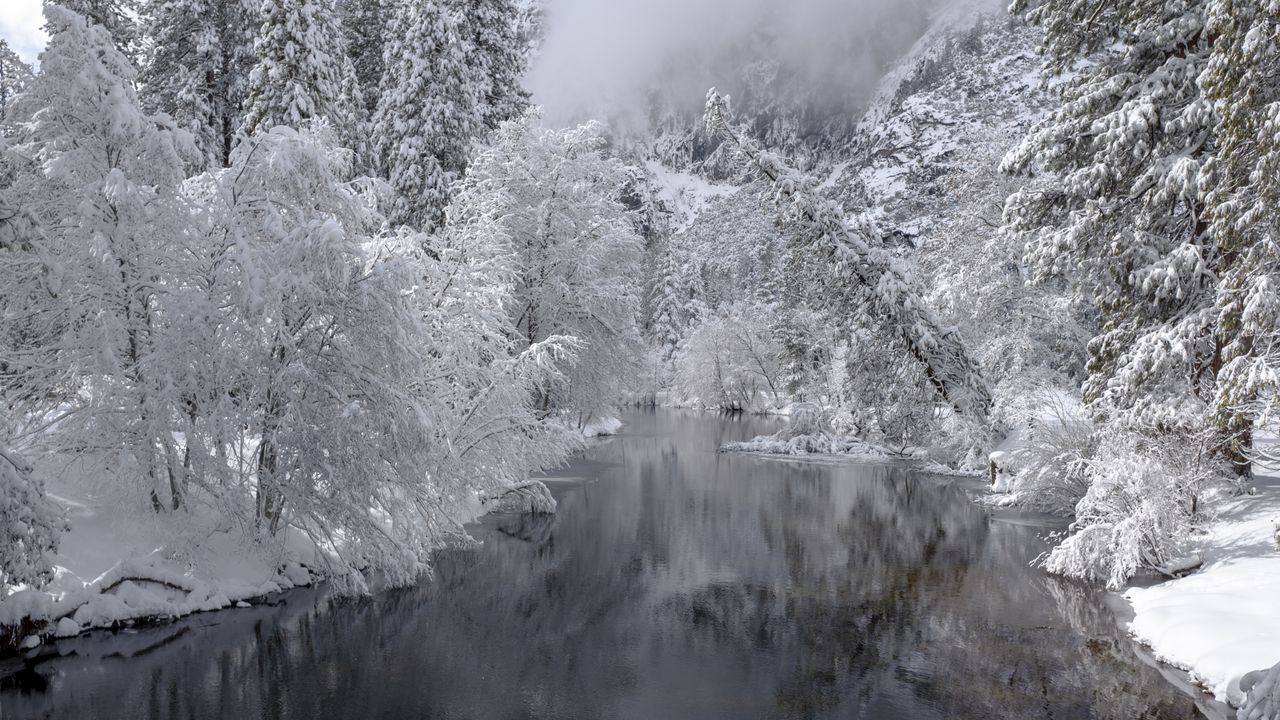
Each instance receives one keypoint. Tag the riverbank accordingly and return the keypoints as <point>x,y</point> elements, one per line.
<point>112,573</point>
<point>1222,621</point>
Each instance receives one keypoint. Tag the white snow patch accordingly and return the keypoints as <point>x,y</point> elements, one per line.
<point>1223,621</point>
<point>686,194</point>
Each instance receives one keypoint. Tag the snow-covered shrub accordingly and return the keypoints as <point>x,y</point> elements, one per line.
<point>730,360</point>
<point>1052,469</point>
<point>1139,512</point>
<point>29,525</point>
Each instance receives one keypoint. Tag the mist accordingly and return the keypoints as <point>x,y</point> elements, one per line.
<point>619,59</point>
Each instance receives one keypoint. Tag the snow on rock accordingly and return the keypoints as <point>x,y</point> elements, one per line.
<point>66,627</point>
<point>1263,688</point>
<point>1222,623</point>
<point>602,426</point>
<point>529,497</point>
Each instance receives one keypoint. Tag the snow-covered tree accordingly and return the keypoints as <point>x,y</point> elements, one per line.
<point>298,61</point>
<point>1243,211</point>
<point>29,524</point>
<point>857,279</point>
<point>357,388</point>
<point>677,297</point>
<point>428,111</point>
<point>98,179</point>
<point>731,360</point>
<point>365,27</point>
<point>575,253</point>
<point>14,75</point>
<point>1121,212</point>
<point>495,49</point>
<point>197,67</point>
<point>118,17</point>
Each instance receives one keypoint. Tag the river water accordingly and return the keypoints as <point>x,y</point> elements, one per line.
<point>674,582</point>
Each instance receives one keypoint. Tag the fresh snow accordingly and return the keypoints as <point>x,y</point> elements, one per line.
<point>1223,621</point>
<point>686,194</point>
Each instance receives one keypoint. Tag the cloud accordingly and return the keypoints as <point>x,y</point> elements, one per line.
<point>22,26</point>
<point>612,57</point>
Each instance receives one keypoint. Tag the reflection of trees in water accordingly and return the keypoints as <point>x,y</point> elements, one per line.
<point>689,581</point>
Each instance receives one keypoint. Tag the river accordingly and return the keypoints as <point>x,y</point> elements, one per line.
<point>675,582</point>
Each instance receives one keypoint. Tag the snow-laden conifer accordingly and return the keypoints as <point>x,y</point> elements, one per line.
<point>428,111</point>
<point>197,67</point>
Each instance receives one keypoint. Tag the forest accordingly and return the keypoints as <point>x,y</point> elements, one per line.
<point>302,287</point>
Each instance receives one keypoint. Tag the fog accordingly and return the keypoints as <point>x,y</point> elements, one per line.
<point>608,58</point>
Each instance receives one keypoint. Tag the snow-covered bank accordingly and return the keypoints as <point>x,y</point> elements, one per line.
<point>1224,621</point>
<point>110,573</point>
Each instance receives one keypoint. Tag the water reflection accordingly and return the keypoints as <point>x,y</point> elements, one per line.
<point>674,583</point>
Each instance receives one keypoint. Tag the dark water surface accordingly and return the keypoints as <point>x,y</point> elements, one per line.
<point>675,582</point>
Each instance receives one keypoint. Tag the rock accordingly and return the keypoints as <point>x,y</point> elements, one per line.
<point>66,628</point>
<point>1263,695</point>
<point>529,497</point>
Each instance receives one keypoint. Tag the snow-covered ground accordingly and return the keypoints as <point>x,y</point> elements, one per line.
<point>686,194</point>
<point>112,571</point>
<point>1223,621</point>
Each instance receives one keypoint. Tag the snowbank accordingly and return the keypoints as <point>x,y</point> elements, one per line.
<point>1222,622</point>
<point>111,570</point>
<point>115,567</point>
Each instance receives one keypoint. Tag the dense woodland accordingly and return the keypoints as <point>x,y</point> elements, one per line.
<point>320,267</point>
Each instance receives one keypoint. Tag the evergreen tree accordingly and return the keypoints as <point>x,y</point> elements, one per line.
<point>365,26</point>
<point>1122,214</point>
<point>197,70</point>
<point>118,17</point>
<point>297,75</point>
<point>14,75</point>
<point>427,114</point>
<point>1243,207</point>
<point>496,52</point>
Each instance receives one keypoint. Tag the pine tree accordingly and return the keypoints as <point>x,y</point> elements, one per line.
<point>427,114</point>
<point>118,17</point>
<point>495,50</point>
<point>1243,207</point>
<point>198,68</point>
<point>365,26</point>
<point>14,75</point>
<point>1122,214</point>
<point>297,75</point>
